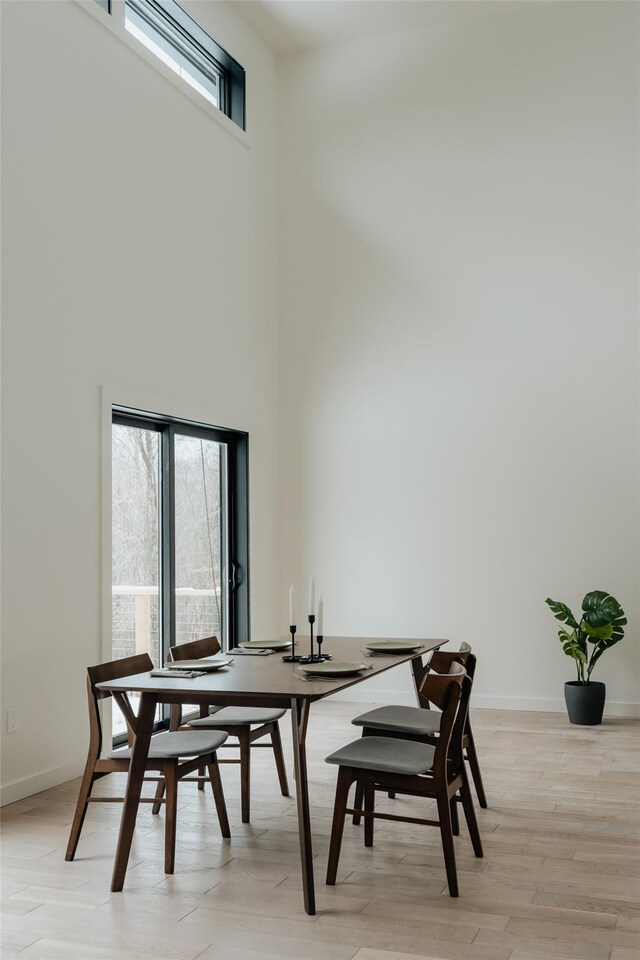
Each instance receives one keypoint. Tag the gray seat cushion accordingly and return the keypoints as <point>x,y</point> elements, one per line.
<point>385,754</point>
<point>414,720</point>
<point>238,716</point>
<point>170,746</point>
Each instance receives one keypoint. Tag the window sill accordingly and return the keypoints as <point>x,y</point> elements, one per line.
<point>114,23</point>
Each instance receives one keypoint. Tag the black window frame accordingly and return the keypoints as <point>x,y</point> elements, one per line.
<point>237,565</point>
<point>232,99</point>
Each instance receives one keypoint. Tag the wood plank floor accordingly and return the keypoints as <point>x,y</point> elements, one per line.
<point>560,878</point>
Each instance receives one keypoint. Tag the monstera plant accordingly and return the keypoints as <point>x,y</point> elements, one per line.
<point>600,627</point>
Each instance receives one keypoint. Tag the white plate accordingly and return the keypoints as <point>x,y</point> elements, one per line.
<point>331,669</point>
<point>266,644</point>
<point>204,664</point>
<point>393,646</point>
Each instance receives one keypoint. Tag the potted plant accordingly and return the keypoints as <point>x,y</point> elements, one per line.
<point>601,625</point>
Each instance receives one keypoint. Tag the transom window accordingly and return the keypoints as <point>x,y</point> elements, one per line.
<point>182,45</point>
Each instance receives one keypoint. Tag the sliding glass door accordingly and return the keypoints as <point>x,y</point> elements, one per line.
<point>179,536</point>
<point>200,538</point>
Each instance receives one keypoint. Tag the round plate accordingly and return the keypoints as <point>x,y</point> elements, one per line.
<point>331,669</point>
<point>266,644</point>
<point>204,664</point>
<point>394,646</point>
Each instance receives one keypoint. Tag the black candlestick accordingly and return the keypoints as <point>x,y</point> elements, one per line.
<point>312,620</point>
<point>319,641</point>
<point>292,658</point>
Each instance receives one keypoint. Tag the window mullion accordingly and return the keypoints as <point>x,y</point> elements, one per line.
<point>168,541</point>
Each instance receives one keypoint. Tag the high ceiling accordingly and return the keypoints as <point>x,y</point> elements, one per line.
<point>290,25</point>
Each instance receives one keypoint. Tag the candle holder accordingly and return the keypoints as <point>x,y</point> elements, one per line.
<point>292,658</point>
<point>312,619</point>
<point>314,657</point>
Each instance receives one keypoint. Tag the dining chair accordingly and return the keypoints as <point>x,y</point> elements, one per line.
<point>413,768</point>
<point>165,755</point>
<point>422,722</point>
<point>247,724</point>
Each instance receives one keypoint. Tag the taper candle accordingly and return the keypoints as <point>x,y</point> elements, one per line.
<point>312,596</point>
<point>292,606</point>
<point>319,623</point>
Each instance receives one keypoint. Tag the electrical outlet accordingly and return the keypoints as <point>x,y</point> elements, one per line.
<point>12,721</point>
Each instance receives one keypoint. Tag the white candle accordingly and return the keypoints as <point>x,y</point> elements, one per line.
<point>312,596</point>
<point>320,615</point>
<point>292,606</point>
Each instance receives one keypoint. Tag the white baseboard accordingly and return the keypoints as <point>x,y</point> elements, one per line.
<point>20,789</point>
<point>360,694</point>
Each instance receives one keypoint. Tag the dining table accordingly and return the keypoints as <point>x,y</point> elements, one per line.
<point>257,681</point>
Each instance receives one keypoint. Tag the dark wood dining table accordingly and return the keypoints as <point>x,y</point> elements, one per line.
<point>258,682</point>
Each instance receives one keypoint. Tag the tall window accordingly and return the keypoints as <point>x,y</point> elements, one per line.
<point>179,535</point>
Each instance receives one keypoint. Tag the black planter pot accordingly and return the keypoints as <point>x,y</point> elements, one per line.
<point>585,704</point>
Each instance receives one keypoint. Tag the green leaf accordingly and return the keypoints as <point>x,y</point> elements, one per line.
<point>562,612</point>
<point>597,633</point>
<point>576,637</point>
<point>600,608</point>
<point>573,650</point>
<point>573,645</point>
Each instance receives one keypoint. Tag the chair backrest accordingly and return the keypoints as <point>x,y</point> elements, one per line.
<point>196,649</point>
<point>441,660</point>
<point>102,673</point>
<point>445,690</point>
<point>436,686</point>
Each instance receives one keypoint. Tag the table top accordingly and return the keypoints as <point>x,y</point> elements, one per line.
<point>267,681</point>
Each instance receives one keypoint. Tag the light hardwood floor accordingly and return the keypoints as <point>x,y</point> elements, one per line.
<point>560,877</point>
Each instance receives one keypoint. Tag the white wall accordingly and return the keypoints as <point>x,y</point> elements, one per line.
<point>139,253</point>
<point>459,303</point>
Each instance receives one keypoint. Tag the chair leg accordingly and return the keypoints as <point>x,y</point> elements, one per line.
<point>86,787</point>
<point>218,796</point>
<point>357,803</point>
<point>470,817</point>
<point>474,766</point>
<point>455,822</point>
<point>201,773</point>
<point>245,774</point>
<point>159,795</point>
<point>171,779</point>
<point>276,743</point>
<point>369,806</point>
<point>337,827</point>
<point>444,816</point>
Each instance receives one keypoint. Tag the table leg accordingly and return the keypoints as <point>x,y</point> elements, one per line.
<point>299,720</point>
<point>135,778</point>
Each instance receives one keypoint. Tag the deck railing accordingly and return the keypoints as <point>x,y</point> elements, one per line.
<point>135,617</point>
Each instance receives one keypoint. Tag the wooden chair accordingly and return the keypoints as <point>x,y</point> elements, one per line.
<point>164,756</point>
<point>424,723</point>
<point>247,724</point>
<point>413,768</point>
